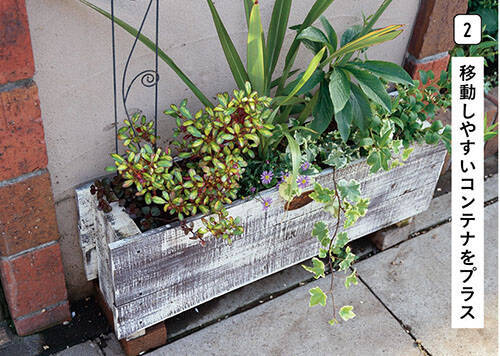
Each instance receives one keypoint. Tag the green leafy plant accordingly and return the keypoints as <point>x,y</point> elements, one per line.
<point>214,145</point>
<point>347,86</point>
<point>263,52</point>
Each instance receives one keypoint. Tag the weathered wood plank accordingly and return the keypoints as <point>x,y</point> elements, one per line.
<point>161,273</point>
<point>87,208</point>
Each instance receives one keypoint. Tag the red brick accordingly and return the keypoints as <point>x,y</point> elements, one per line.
<point>22,142</point>
<point>156,336</point>
<point>437,65</point>
<point>43,319</point>
<point>33,281</point>
<point>27,215</point>
<point>433,28</point>
<point>16,55</point>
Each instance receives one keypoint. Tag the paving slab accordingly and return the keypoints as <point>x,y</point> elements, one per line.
<point>85,349</point>
<point>287,326</point>
<point>413,280</point>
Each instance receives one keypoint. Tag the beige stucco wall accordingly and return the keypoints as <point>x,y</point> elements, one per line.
<point>72,51</point>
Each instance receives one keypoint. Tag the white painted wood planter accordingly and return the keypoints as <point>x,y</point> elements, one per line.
<point>149,277</point>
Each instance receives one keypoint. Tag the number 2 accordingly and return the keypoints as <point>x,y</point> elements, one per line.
<point>467,34</point>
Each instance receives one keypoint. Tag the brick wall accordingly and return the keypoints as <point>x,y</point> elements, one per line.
<point>30,257</point>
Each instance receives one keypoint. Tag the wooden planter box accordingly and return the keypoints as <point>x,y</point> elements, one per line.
<point>149,277</point>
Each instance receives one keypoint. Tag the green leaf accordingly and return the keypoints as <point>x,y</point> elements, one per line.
<point>158,200</point>
<point>375,37</point>
<point>313,34</point>
<point>374,18</point>
<point>349,190</point>
<point>318,268</point>
<point>348,260</point>
<point>371,86</point>
<point>386,70</point>
<point>346,312</point>
<point>317,297</point>
<point>288,189</point>
<point>316,10</point>
<point>321,195</point>
<point>350,34</point>
<point>194,131</point>
<point>374,161</point>
<point>276,34</point>
<point>255,51</point>
<point>320,231</point>
<point>344,120</point>
<point>311,68</point>
<point>152,46</point>
<point>351,279</point>
<point>340,241</point>
<point>248,4</point>
<point>294,148</point>
<point>330,32</point>
<point>489,18</point>
<point>340,89</point>
<point>315,78</point>
<point>232,56</point>
<point>361,111</point>
<point>323,110</point>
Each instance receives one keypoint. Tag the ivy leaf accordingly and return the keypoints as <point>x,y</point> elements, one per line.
<point>333,321</point>
<point>346,312</point>
<point>351,279</point>
<point>320,231</point>
<point>348,259</point>
<point>317,297</point>
<point>349,190</point>
<point>322,253</point>
<point>362,206</point>
<point>336,158</point>
<point>332,208</point>
<point>351,216</point>
<point>318,268</point>
<point>341,240</point>
<point>320,194</point>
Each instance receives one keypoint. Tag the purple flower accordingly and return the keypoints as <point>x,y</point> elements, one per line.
<point>305,166</point>
<point>266,203</point>
<point>266,177</point>
<point>303,181</point>
<point>284,176</point>
<point>252,190</point>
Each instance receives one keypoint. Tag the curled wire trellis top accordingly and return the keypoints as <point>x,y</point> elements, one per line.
<point>149,78</point>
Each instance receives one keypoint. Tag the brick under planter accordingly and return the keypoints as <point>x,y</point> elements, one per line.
<point>30,264</point>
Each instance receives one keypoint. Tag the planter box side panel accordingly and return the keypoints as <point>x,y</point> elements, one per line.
<point>90,227</point>
<point>161,274</point>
